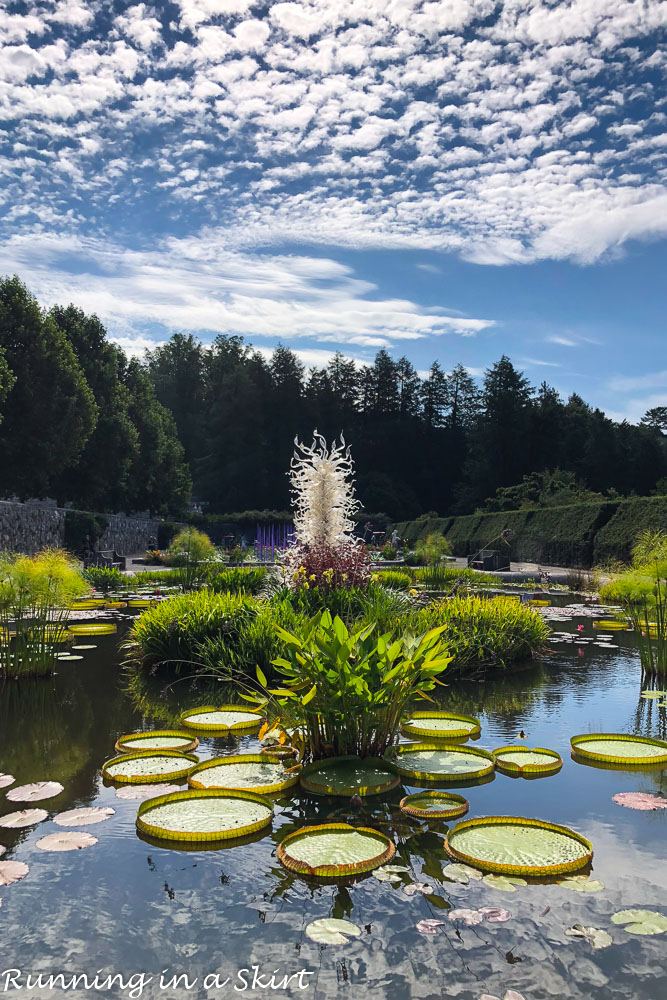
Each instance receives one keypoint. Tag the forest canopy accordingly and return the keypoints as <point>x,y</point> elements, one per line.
<point>82,423</point>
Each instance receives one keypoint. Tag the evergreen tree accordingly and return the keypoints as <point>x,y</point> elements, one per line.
<point>177,372</point>
<point>463,399</point>
<point>434,396</point>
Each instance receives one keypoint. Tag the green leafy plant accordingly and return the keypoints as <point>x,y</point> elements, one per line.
<point>388,551</point>
<point>449,578</point>
<point>346,691</point>
<point>35,592</point>
<point>393,578</point>
<point>431,549</point>
<point>642,594</point>
<point>104,578</point>
<point>234,580</point>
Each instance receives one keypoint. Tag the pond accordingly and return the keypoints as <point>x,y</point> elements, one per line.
<point>127,906</point>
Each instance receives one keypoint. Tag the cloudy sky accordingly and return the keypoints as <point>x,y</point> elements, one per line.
<point>451,179</point>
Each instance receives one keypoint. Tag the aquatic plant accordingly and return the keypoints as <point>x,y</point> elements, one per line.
<point>35,592</point>
<point>642,594</point>
<point>235,580</point>
<point>346,691</point>
<point>453,578</point>
<point>393,578</point>
<point>481,633</point>
<point>430,550</point>
<point>105,578</point>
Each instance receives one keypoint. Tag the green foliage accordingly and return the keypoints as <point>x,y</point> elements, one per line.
<point>448,578</point>
<point>235,580</point>
<point>431,549</point>
<point>223,634</point>
<point>650,547</point>
<point>483,632</point>
<point>49,411</point>
<point>346,691</point>
<point>35,592</point>
<point>165,532</point>
<point>83,530</point>
<point>388,551</point>
<point>617,537</point>
<point>549,488</point>
<point>105,578</point>
<point>393,578</point>
<point>373,604</point>
<point>191,551</point>
<point>642,593</point>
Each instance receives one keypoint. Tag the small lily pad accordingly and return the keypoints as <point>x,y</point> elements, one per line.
<point>390,873</point>
<point>329,930</point>
<point>24,817</point>
<point>417,887</point>
<point>6,780</point>
<point>35,792</point>
<point>456,872</point>
<point>12,871</point>
<point>597,938</point>
<point>495,914</point>
<point>429,925</point>
<point>582,883</point>
<point>639,800</point>
<point>73,841</point>
<point>469,917</point>
<point>506,883</point>
<point>641,921</point>
<point>83,817</point>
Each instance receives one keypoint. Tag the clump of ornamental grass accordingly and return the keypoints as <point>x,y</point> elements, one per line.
<point>447,578</point>
<point>35,593</point>
<point>104,578</point>
<point>642,594</point>
<point>191,551</point>
<point>482,633</point>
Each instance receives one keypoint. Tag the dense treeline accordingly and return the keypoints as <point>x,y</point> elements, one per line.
<point>82,423</point>
<point>78,421</point>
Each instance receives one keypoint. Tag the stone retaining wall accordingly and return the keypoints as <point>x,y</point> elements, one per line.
<point>29,528</point>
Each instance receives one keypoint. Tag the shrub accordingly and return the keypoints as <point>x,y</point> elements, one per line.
<point>347,691</point>
<point>35,592</point>
<point>191,550</point>
<point>481,632</point>
<point>388,551</point>
<point>104,578</point>
<point>431,549</point>
<point>393,579</point>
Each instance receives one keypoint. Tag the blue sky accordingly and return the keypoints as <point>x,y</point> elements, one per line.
<point>449,179</point>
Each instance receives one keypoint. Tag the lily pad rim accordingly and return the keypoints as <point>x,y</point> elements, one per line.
<point>409,730</point>
<point>144,779</point>
<point>217,727</point>
<point>242,758</point>
<point>393,755</point>
<point>498,868</point>
<point>161,833</point>
<point>575,743</point>
<point>317,766</point>
<point>334,871</point>
<point>190,747</point>
<point>555,763</point>
<point>459,806</point>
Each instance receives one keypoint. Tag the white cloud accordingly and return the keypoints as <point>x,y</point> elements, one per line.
<point>634,383</point>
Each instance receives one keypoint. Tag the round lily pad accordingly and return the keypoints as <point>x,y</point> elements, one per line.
<point>85,816</point>
<point>204,814</point>
<point>330,930</point>
<point>254,772</point>
<point>519,760</point>
<point>158,739</point>
<point>72,841</point>
<point>441,726</point>
<point>432,762</point>
<point>435,805</point>
<point>334,850</point>
<point>35,792</point>
<point>88,605</point>
<point>112,605</point>
<point>612,624</point>
<point>222,718</point>
<point>513,845</point>
<point>641,921</point>
<point>149,765</point>
<point>348,776</point>
<point>135,793</point>
<point>6,780</point>
<point>24,817</point>
<point>620,749</point>
<point>12,871</point>
<point>93,628</point>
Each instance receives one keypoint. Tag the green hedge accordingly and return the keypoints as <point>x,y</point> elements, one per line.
<point>616,538</point>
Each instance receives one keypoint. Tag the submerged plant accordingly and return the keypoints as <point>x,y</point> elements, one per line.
<point>346,691</point>
<point>35,592</point>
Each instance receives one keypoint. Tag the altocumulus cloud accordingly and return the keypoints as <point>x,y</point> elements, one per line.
<point>141,136</point>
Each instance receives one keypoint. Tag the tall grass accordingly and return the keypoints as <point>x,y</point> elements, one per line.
<point>393,578</point>
<point>642,593</point>
<point>104,578</point>
<point>35,592</point>
<point>482,633</point>
<point>448,578</point>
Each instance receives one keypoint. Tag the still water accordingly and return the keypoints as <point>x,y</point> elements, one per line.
<point>128,906</point>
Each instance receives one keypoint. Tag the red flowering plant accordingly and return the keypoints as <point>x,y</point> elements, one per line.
<point>326,567</point>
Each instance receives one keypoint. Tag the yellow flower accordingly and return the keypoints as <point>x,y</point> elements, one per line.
<point>312,577</point>
<point>413,591</point>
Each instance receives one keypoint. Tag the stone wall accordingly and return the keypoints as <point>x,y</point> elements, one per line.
<point>30,527</point>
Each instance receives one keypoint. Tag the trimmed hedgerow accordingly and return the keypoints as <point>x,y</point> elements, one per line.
<point>615,540</point>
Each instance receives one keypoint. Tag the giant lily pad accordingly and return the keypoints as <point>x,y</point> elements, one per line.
<point>149,765</point>
<point>431,762</point>
<point>641,921</point>
<point>35,792</point>
<point>513,845</point>
<point>137,793</point>
<point>620,749</point>
<point>221,719</point>
<point>334,850</point>
<point>85,816</point>
<point>24,817</point>
<point>253,771</point>
<point>158,739</point>
<point>204,815</point>
<point>519,760</point>
<point>434,805</point>
<point>348,776</point>
<point>12,871</point>
<point>72,841</point>
<point>441,726</point>
<point>93,628</point>
<point>329,930</point>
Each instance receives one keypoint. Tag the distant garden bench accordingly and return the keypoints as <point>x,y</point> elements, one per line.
<point>108,558</point>
<point>489,559</point>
